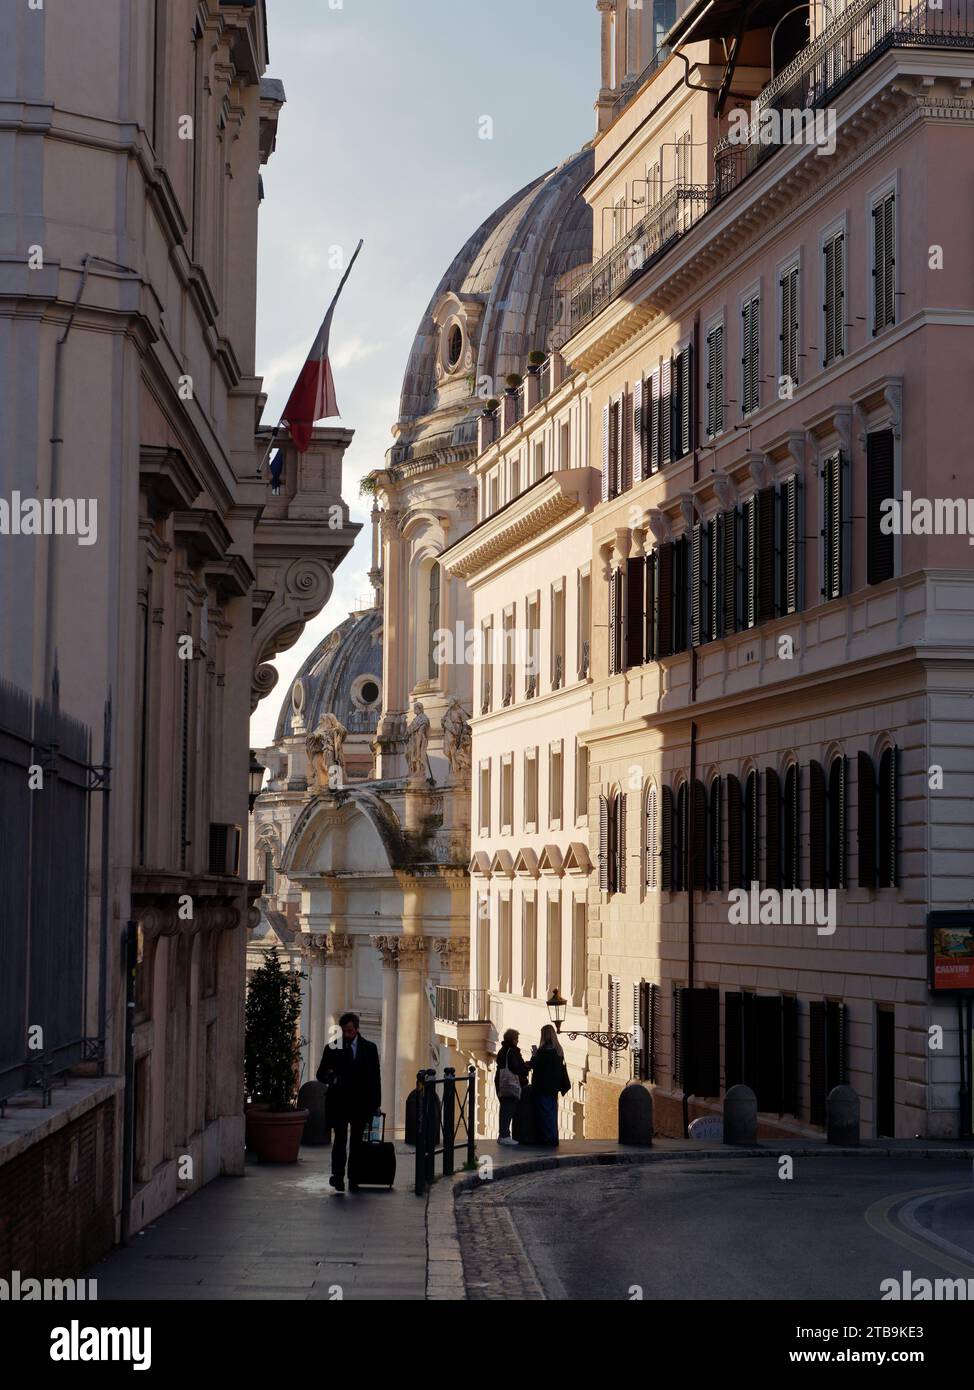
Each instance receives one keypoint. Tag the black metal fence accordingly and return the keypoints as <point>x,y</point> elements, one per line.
<point>46,779</point>
<point>452,1118</point>
<point>461,1005</point>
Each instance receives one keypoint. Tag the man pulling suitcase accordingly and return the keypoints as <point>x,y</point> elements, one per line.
<point>350,1070</point>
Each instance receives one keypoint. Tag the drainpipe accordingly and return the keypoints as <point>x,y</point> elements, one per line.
<point>691,799</point>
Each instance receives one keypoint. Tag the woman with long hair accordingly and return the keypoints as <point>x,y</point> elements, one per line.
<point>549,1080</point>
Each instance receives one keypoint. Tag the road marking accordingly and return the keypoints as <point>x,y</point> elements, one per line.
<point>908,1217</point>
<point>878,1219</point>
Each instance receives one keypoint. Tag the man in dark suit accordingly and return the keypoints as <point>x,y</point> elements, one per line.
<point>351,1073</point>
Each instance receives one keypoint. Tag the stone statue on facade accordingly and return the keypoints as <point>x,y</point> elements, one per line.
<point>457,739</point>
<point>417,740</point>
<point>326,763</point>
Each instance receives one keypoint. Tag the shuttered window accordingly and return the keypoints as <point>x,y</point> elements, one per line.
<point>828,1040</point>
<point>696,1040</point>
<point>836,823</point>
<point>613,993</point>
<point>620,843</point>
<point>752,830</point>
<point>651,645</point>
<point>624,471</point>
<point>735,834</point>
<point>616,611</point>
<point>767,556</point>
<point>638,432</point>
<point>866,827</point>
<point>761,1049</point>
<point>888,820</point>
<point>698,836</point>
<point>664,600</point>
<point>681,827</point>
<point>635,617</point>
<point>792,544</point>
<point>681,594</point>
<point>817,827</point>
<point>651,840</point>
<point>833,274</point>
<point>880,485</point>
<point>700,608</point>
<point>682,398</point>
<point>665,412</point>
<point>750,514</point>
<point>788,287</point>
<point>666,841</point>
<point>603,844</point>
<point>884,263</point>
<point>714,833</point>
<point>833,526</point>
<point>653,406</point>
<point>606,451</point>
<point>730,571</point>
<point>772,829</point>
<point>646,1007</point>
<point>613,449</point>
<point>715,380</point>
<point>751,355</point>
<point>791,829</point>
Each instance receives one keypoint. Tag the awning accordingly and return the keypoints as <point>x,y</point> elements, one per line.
<point>724,19</point>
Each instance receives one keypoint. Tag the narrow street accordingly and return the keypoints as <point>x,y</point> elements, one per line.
<point>724,1229</point>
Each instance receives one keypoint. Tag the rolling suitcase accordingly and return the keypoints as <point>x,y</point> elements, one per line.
<point>372,1163</point>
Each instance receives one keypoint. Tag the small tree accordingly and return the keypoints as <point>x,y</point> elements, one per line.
<point>272,1045</point>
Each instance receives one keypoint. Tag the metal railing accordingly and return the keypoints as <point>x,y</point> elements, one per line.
<point>461,1005</point>
<point>455,1118</point>
<point>631,86</point>
<point>811,81</point>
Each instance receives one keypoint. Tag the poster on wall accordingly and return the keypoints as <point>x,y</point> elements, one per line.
<point>951,952</point>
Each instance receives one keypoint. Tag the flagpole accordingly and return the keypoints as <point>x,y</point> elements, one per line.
<point>263,463</point>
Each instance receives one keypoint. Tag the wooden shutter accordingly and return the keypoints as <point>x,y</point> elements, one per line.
<point>867,821</point>
<point>752,831</point>
<point>697,594</point>
<point>884,261</point>
<point>684,420</point>
<point>698,840</point>
<point>750,360</point>
<point>833,510</point>
<point>817,808</point>
<point>789,334</point>
<point>888,866</point>
<point>733,1040</point>
<point>729,528</point>
<point>635,616</point>
<point>615,621</point>
<point>620,843</point>
<point>791,544</point>
<point>828,1043</point>
<point>651,647</point>
<point>700,1042</point>
<point>767,507</point>
<point>654,425</point>
<point>789,1055</point>
<point>735,833</point>
<point>612,842</point>
<point>603,844</point>
<point>680,827</point>
<point>637,432</point>
<point>681,593</point>
<point>791,870</point>
<point>834,306</point>
<point>650,876</point>
<point>767,1052</point>
<point>715,380</point>
<point>664,600</point>
<point>837,803</point>
<point>606,451</point>
<point>624,470</point>
<point>715,857</point>
<point>677,1039</point>
<point>772,823</point>
<point>750,515</point>
<point>665,414</point>
<point>666,841</point>
<point>880,485</point>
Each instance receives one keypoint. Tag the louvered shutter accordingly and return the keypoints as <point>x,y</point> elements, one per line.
<point>683,415</point>
<point>733,1040</point>
<point>620,845</point>
<point>828,308</point>
<point>834,306</point>
<point>624,408</point>
<point>711,383</point>
<point>681,593</point>
<point>735,834</point>
<point>677,1039</point>
<point>697,595</point>
<point>772,822</point>
<point>884,301</point>
<point>698,840</point>
<point>837,803</point>
<point>715,835</point>
<point>637,432</point>
<point>867,821</point>
<point>664,584</point>
<point>832,479</point>
<point>752,826</point>
<point>767,507</point>
<point>700,1043</point>
<point>652,839</point>
<point>666,841</point>
<point>730,572</point>
<point>817,833</point>
<point>615,621</point>
<point>603,844</point>
<point>888,819</point>
<point>665,414</point>
<point>750,511</point>
<point>635,616</point>
<point>606,452</point>
<point>767,1052</point>
<point>715,598</point>
<point>651,645</point>
<point>792,865</point>
<point>789,1055</point>
<point>789,333</point>
<point>750,360</point>
<point>654,428</point>
<point>880,485</point>
<point>791,543</point>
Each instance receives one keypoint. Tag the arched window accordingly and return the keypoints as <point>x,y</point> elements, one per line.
<point>714,856</point>
<point>680,839</point>
<point>752,830</point>
<point>790,830</point>
<point>270,882</point>
<point>889,869</point>
<point>612,842</point>
<point>835,841</point>
<point>433,620</point>
<point>650,875</point>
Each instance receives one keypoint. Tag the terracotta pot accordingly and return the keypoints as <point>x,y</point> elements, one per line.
<point>275,1135</point>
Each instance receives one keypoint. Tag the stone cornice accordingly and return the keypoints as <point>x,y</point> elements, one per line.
<point>529,516</point>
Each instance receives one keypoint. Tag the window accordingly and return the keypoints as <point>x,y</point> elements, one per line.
<point>612,843</point>
<point>494,492</point>
<point>531,789</point>
<point>539,460</point>
<point>884,263</point>
<point>509,634</point>
<point>484,798</point>
<point>696,1040</point>
<point>504,945</point>
<point>611,449</point>
<point>888,820</point>
<point>581,781</point>
<point>791,864</point>
<point>584,625</point>
<point>482,959</point>
<point>833,306</point>
<point>878,816</point>
<point>487,668</point>
<point>654,184</point>
<point>532,662</point>
<point>565,460</point>
<point>454,345</point>
<point>714,834</point>
<point>772,829</point>
<point>634,616</point>
<point>792,545</point>
<point>515,477</point>
<point>616,607</point>
<point>752,830</point>
<point>680,838</point>
<point>651,840</point>
<point>683,177</point>
<point>579,952</point>
<point>507,794</point>
<point>828,1029</point>
<point>880,486</point>
<point>554,944</point>
<point>715,380</point>
<point>558,635</point>
<point>682,398</point>
<point>789,337</point>
<point>836,558</point>
<point>835,841</point>
<point>699,584</point>
<point>556,786</point>
<point>529,947</point>
<point>645,1011</point>
<point>735,834</point>
<point>433,623</point>
<point>612,1001</point>
<point>761,1048</point>
<point>760,559</point>
<point>751,355</point>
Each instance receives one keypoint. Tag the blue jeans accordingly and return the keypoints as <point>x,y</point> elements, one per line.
<point>547,1119</point>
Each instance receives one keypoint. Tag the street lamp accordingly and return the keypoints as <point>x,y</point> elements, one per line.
<point>256,778</point>
<point>612,1042</point>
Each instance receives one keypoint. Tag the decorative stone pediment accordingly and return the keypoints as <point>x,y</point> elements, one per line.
<point>577,859</point>
<point>551,861</point>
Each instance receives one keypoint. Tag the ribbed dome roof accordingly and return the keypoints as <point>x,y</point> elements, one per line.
<point>336,675</point>
<point>511,265</point>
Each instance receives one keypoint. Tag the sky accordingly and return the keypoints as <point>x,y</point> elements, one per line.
<point>380,139</point>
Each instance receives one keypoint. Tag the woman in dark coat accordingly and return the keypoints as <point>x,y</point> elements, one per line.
<point>515,1072</point>
<point>549,1080</point>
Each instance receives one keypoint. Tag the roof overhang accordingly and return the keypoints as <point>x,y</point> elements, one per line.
<point>723,19</point>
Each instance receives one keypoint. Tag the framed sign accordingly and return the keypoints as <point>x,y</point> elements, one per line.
<point>951,952</point>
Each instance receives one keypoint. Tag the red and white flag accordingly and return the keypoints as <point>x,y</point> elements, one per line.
<point>313,397</point>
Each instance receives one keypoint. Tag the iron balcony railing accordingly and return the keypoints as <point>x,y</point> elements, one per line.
<point>811,81</point>
<point>461,1005</point>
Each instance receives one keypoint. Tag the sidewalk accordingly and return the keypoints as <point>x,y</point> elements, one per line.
<point>279,1232</point>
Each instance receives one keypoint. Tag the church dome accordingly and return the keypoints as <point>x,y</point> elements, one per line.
<point>498,301</point>
<point>342,676</point>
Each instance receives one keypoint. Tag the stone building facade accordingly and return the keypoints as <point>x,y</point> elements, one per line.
<point>127,372</point>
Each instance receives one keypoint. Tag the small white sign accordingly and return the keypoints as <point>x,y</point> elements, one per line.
<point>707,1127</point>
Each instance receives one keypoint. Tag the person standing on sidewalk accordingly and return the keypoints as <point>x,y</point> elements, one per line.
<point>549,1080</point>
<point>510,1077</point>
<point>351,1073</point>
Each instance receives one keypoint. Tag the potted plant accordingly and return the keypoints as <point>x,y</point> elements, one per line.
<point>272,1048</point>
<point>491,405</point>
<point>513,382</point>
<point>535,362</point>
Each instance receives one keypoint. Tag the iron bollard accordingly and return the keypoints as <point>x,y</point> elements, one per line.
<point>449,1121</point>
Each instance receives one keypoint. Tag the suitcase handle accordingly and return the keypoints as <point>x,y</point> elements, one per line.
<point>379,1114</point>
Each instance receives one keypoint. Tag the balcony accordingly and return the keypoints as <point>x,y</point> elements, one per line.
<point>462,1005</point>
<point>811,81</point>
